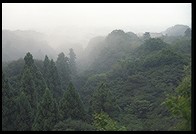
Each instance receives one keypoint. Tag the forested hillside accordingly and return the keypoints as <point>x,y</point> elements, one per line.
<point>122,83</point>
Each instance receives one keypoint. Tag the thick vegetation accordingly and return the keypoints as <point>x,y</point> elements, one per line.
<point>131,84</point>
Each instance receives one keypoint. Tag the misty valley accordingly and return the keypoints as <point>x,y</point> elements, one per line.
<point>121,81</point>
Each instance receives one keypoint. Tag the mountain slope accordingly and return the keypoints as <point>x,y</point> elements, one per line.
<point>15,44</point>
<point>116,45</point>
<point>139,77</point>
<point>177,30</point>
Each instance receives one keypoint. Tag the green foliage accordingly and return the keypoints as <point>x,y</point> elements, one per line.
<point>28,87</point>
<point>163,58</point>
<point>14,68</point>
<point>47,113</point>
<point>150,46</point>
<point>72,62</point>
<point>55,84</point>
<point>93,82</point>
<point>29,59</point>
<point>24,116</point>
<point>31,88</point>
<point>71,104</point>
<point>103,122</point>
<point>8,105</point>
<point>131,122</point>
<point>116,45</point>
<point>32,81</point>
<point>183,46</point>
<point>73,125</point>
<point>180,102</point>
<point>142,80</point>
<point>13,72</point>
<point>141,108</point>
<point>137,80</point>
<point>103,100</point>
<point>46,67</point>
<point>63,70</point>
<point>52,78</point>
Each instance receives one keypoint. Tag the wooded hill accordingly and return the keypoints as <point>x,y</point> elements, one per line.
<point>126,82</point>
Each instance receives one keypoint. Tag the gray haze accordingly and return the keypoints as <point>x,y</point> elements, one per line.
<point>71,23</point>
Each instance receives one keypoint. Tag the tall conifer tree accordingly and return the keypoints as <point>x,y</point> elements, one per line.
<point>47,113</point>
<point>72,62</point>
<point>63,70</point>
<point>52,78</point>
<point>8,105</point>
<point>25,113</point>
<point>71,104</point>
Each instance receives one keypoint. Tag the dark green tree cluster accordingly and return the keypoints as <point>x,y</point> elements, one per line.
<point>140,80</point>
<point>103,100</point>
<point>179,103</point>
<point>39,103</point>
<point>47,113</point>
<point>31,91</point>
<point>71,105</point>
<point>63,69</point>
<point>24,115</point>
<point>8,105</point>
<point>103,122</point>
<point>51,76</point>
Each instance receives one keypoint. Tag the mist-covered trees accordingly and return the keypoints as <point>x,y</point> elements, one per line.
<point>122,90</point>
<point>72,62</point>
<point>63,70</point>
<point>140,79</point>
<point>52,78</point>
<point>46,68</point>
<point>32,88</point>
<point>32,81</point>
<point>16,43</point>
<point>146,36</point>
<point>37,104</point>
<point>115,46</point>
<point>187,32</point>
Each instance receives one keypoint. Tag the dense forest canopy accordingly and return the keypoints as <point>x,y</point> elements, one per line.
<point>121,82</point>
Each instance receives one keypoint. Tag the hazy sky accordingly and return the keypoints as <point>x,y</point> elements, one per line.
<point>95,17</point>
